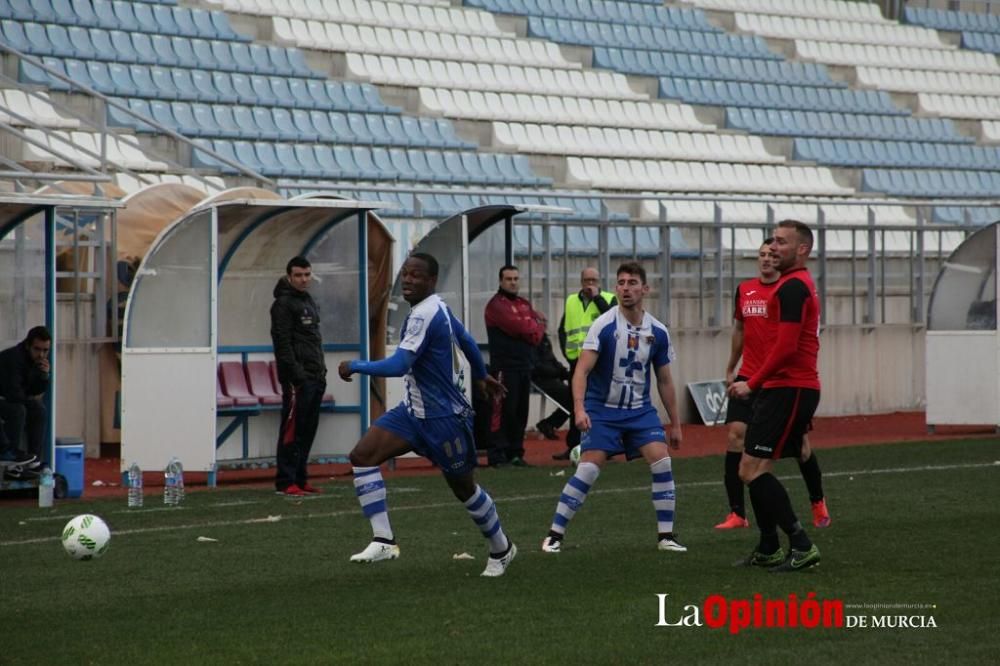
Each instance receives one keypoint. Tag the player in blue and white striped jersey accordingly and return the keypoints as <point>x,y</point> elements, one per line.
<point>434,419</point>
<point>613,409</point>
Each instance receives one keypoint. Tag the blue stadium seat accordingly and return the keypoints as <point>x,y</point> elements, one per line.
<point>245,91</point>
<point>300,94</point>
<point>192,119</point>
<point>328,162</point>
<point>247,156</point>
<point>418,162</point>
<point>357,124</point>
<point>163,83</point>
<point>164,50</point>
<point>394,130</point>
<point>223,29</point>
<point>279,159</point>
<point>184,51</point>
<point>301,122</point>
<point>19,10</point>
<point>162,113</point>
<point>204,88</point>
<point>399,161</point>
<point>243,120</point>
<point>366,168</point>
<point>81,44</point>
<point>489,165</point>
<point>257,122</point>
<point>332,126</point>
<point>126,19</point>
<point>184,20</point>
<point>43,11</point>
<point>64,13</point>
<point>202,160</point>
<point>279,86</point>
<point>205,118</point>
<point>163,19</point>
<point>202,20</point>
<point>144,17</point>
<point>14,35</point>
<point>456,168</point>
<point>225,119</point>
<point>105,14</point>
<point>383,163</point>
<point>438,168</point>
<point>38,40</point>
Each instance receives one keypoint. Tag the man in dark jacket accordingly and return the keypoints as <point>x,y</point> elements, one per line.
<point>513,330</point>
<point>551,377</point>
<point>298,350</point>
<point>24,378</point>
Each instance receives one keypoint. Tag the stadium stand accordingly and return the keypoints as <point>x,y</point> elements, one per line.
<point>766,97</point>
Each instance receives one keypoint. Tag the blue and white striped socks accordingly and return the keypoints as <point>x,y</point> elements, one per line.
<point>573,495</point>
<point>663,495</point>
<point>484,513</point>
<point>370,489</point>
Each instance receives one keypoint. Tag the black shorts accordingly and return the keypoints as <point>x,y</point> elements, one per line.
<point>739,410</point>
<point>781,416</point>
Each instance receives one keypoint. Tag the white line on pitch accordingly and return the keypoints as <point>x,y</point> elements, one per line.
<point>502,500</point>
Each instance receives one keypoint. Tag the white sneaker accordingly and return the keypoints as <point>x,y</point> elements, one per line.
<point>376,552</point>
<point>552,545</point>
<point>496,566</point>
<point>671,544</point>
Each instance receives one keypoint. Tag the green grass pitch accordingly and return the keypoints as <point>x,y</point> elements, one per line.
<point>913,523</point>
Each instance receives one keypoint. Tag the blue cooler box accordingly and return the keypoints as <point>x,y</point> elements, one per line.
<point>69,463</point>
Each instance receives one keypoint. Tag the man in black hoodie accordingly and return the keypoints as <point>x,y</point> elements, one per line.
<point>24,377</point>
<point>298,350</point>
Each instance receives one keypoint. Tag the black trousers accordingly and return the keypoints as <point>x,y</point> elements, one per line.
<point>299,420</point>
<point>507,430</point>
<point>558,391</point>
<point>23,418</point>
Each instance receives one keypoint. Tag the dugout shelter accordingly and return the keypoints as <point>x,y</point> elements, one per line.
<point>198,379</point>
<point>963,348</point>
<point>33,230</point>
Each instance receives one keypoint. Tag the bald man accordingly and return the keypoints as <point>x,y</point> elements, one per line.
<point>582,308</point>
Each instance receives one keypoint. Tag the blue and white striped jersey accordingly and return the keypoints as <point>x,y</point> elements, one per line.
<point>434,384</point>
<point>627,358</point>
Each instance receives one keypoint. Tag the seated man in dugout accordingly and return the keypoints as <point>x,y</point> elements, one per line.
<point>24,379</point>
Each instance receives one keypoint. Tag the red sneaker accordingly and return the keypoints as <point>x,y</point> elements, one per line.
<point>733,521</point>
<point>821,517</point>
<point>311,489</point>
<point>292,491</point>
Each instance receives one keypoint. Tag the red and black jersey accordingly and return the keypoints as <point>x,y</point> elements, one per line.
<point>793,316</point>
<point>751,308</point>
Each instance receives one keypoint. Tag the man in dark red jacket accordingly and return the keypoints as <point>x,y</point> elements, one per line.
<point>514,329</point>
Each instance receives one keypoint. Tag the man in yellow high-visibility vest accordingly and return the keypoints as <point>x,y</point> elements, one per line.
<point>582,308</point>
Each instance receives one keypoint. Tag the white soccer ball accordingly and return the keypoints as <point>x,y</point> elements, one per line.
<point>574,455</point>
<point>86,537</point>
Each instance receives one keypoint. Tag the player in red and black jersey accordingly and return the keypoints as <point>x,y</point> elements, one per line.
<point>788,393</point>
<point>752,338</point>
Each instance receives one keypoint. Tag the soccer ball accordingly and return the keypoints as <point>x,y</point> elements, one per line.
<point>574,455</point>
<point>86,537</point>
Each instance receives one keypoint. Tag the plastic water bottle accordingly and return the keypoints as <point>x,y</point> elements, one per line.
<point>170,484</point>
<point>46,487</point>
<point>134,486</point>
<point>179,477</point>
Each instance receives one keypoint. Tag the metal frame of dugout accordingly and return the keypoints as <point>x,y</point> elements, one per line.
<point>29,242</point>
<point>202,295</point>
<point>963,346</point>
